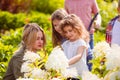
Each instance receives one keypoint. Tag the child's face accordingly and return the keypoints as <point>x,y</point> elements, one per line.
<point>39,42</point>
<point>56,25</point>
<point>71,33</point>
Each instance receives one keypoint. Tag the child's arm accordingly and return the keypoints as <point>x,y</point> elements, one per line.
<point>78,56</point>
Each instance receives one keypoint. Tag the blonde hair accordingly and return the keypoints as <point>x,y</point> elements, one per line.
<point>59,14</point>
<point>76,23</point>
<point>118,3</point>
<point>30,35</point>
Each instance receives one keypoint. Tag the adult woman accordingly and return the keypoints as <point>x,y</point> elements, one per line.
<point>33,40</point>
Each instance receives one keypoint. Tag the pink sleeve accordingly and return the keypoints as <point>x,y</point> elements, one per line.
<point>95,8</point>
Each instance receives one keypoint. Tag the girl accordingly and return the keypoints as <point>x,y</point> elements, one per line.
<point>76,45</point>
<point>57,36</point>
<point>33,40</point>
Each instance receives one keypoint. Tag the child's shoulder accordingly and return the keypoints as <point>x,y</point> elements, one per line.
<point>81,41</point>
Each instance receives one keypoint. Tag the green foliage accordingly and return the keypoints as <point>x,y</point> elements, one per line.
<point>5,52</point>
<point>109,0</point>
<point>10,21</point>
<point>46,6</point>
<point>12,37</point>
<point>49,46</point>
<point>99,67</point>
<point>8,44</point>
<point>16,6</point>
<point>40,18</point>
<point>107,11</point>
<point>99,36</point>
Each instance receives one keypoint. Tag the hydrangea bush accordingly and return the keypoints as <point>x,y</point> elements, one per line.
<point>55,66</point>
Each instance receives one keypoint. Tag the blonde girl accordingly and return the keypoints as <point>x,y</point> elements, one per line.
<point>76,45</point>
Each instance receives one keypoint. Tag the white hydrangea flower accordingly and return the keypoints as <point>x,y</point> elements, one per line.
<point>27,75</point>
<point>25,67</point>
<point>89,76</point>
<point>57,60</point>
<point>31,56</point>
<point>24,79</point>
<point>72,72</point>
<point>38,74</point>
<point>115,75</point>
<point>112,76</point>
<point>113,58</point>
<point>56,79</point>
<point>101,48</point>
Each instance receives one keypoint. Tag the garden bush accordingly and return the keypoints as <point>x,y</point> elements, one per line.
<point>46,6</point>
<point>108,10</point>
<point>6,52</point>
<point>17,6</point>
<point>12,21</point>
<point>12,37</point>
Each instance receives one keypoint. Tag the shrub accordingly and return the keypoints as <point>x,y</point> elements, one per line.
<point>5,53</point>
<point>9,21</point>
<point>46,6</point>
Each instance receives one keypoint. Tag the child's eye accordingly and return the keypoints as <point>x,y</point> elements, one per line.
<point>70,30</point>
<point>65,32</point>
